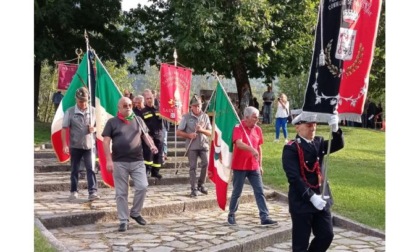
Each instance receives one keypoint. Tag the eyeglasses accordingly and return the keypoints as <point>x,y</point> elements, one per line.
<point>127,105</point>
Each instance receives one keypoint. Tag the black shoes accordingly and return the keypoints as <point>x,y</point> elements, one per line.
<point>155,173</point>
<point>203,189</point>
<point>268,222</point>
<point>139,220</point>
<point>123,227</point>
<point>231,219</point>
<point>194,192</point>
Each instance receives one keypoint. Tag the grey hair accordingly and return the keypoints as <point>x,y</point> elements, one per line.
<point>139,97</point>
<point>249,111</point>
<point>148,91</point>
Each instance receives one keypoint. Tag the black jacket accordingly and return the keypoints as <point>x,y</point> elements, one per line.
<point>299,191</point>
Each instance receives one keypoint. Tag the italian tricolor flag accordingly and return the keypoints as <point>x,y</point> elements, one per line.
<point>80,79</point>
<point>221,148</point>
<point>106,100</point>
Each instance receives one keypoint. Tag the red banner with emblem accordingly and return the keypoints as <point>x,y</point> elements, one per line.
<point>65,74</point>
<point>175,83</point>
<point>342,58</point>
<point>355,46</point>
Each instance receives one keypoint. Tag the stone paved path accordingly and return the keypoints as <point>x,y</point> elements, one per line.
<point>175,221</point>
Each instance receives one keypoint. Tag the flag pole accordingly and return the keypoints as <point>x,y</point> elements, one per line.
<point>175,55</point>
<point>324,167</point>
<point>93,155</point>
<point>237,117</point>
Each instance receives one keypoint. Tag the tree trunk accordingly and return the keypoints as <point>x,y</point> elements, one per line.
<point>241,77</point>
<point>37,76</point>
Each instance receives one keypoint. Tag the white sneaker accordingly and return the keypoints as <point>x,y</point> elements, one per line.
<point>276,140</point>
<point>93,197</point>
<point>73,196</point>
<point>286,141</point>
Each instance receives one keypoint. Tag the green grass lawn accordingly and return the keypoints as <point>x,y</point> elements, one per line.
<point>42,133</point>
<point>356,173</point>
<point>41,244</point>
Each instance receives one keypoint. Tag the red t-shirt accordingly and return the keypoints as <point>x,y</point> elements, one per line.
<point>243,159</point>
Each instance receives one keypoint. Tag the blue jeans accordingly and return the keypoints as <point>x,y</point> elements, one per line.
<point>76,156</point>
<point>254,178</point>
<point>281,123</point>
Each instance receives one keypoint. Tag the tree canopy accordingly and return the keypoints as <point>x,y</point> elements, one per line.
<point>240,39</point>
<point>60,27</point>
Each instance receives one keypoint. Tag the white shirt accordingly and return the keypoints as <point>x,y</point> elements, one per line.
<point>282,112</point>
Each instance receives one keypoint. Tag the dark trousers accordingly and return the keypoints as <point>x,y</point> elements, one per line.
<point>76,156</point>
<point>154,161</point>
<point>319,223</point>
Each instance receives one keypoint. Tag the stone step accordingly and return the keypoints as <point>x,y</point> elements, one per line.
<point>49,153</point>
<point>54,210</point>
<point>60,180</point>
<point>182,229</point>
<point>52,165</point>
<point>171,140</point>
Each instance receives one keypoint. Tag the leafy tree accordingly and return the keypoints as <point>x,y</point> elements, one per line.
<point>59,30</point>
<point>49,78</point>
<point>120,75</point>
<point>377,73</point>
<point>240,39</point>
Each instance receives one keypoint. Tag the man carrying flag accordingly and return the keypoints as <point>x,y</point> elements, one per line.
<point>195,127</point>
<point>247,163</point>
<point>302,160</point>
<point>80,120</point>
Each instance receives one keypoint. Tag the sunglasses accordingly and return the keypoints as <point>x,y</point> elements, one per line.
<point>127,106</point>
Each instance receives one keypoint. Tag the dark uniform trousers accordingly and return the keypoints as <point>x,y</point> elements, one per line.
<point>303,224</point>
<point>153,162</point>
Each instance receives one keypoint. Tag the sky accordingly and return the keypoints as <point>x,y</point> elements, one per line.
<point>126,5</point>
<point>402,113</point>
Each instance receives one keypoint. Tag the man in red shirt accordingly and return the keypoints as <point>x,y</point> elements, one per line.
<point>247,163</point>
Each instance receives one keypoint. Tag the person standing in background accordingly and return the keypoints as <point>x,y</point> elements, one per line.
<point>56,99</point>
<point>268,98</point>
<point>281,117</point>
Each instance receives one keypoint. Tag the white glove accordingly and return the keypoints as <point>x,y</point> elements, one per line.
<point>333,122</point>
<point>318,202</point>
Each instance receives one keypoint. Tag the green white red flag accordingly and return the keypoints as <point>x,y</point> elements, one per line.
<point>106,100</point>
<point>107,95</point>
<point>80,79</point>
<point>221,148</point>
